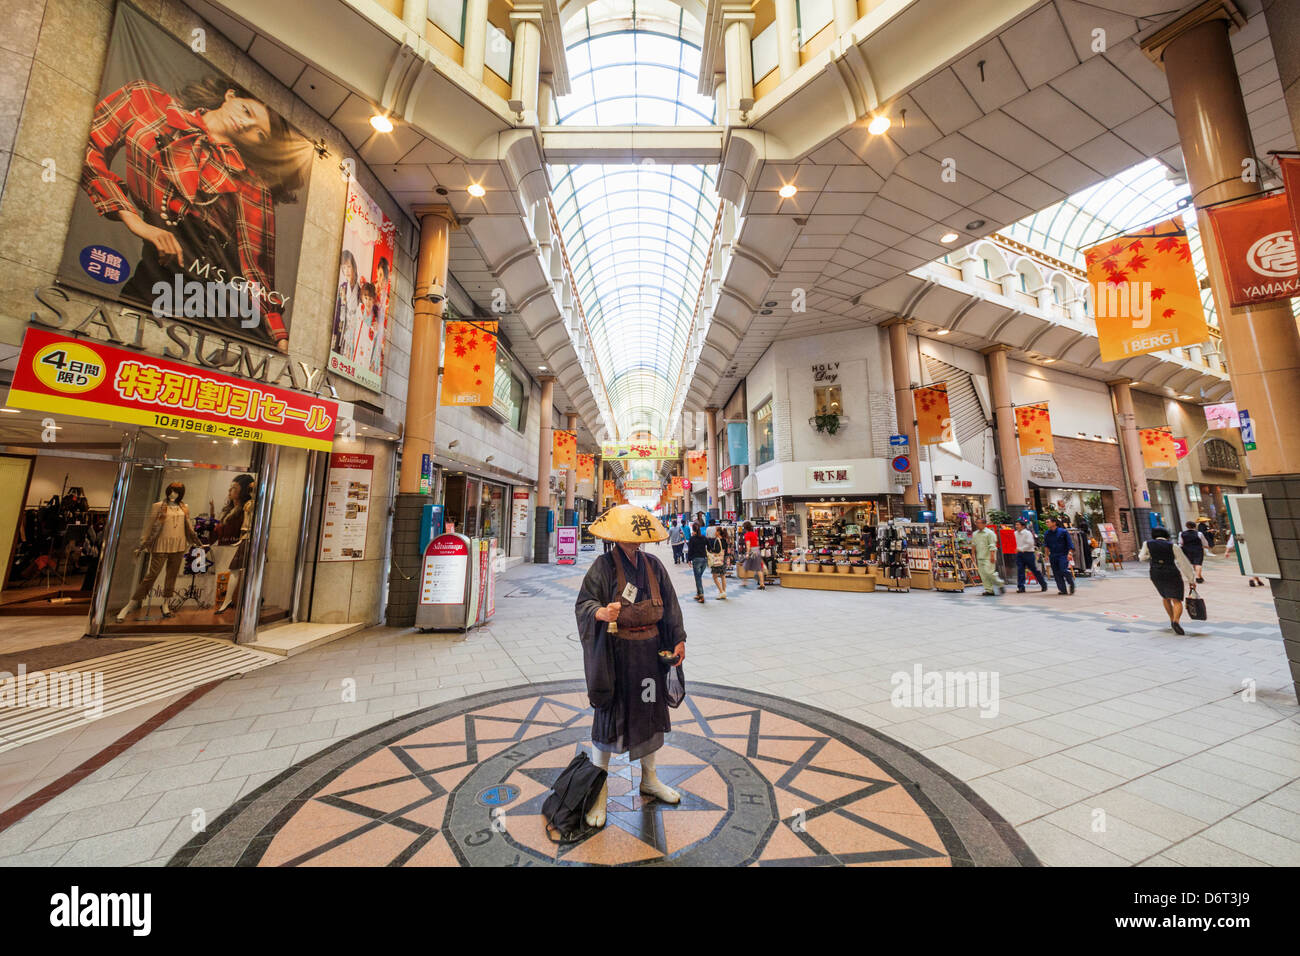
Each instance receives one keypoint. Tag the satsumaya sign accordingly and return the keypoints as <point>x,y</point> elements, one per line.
<point>126,326</point>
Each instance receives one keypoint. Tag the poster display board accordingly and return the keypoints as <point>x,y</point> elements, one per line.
<point>347,507</point>
<point>444,583</point>
<point>566,545</point>
<point>519,513</point>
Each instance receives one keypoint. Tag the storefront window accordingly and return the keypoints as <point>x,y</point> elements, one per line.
<point>491,510</point>
<point>186,533</point>
<point>286,524</point>
<point>1162,502</point>
<point>508,395</point>
<point>827,400</point>
<point>763,433</point>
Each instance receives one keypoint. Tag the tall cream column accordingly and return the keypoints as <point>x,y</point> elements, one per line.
<point>526,19</point>
<point>787,39</point>
<point>903,407</point>
<point>571,476</point>
<point>545,447</point>
<point>426,338</point>
<point>1137,476</point>
<point>436,223</point>
<point>711,446</point>
<point>415,15</point>
<point>846,14</point>
<point>1261,343</point>
<point>738,56</point>
<point>1004,414</point>
<point>476,24</point>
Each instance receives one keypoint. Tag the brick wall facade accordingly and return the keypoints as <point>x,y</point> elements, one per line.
<point>1099,463</point>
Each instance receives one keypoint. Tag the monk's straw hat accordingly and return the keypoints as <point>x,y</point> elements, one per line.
<point>628,523</point>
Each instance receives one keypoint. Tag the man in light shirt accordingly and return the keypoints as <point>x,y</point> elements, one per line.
<point>984,542</point>
<point>1026,556</point>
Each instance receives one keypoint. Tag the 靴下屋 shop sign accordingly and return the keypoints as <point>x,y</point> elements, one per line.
<point>68,376</point>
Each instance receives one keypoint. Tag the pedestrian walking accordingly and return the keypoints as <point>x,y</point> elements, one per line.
<point>1194,545</point>
<point>753,560</point>
<point>984,541</point>
<point>1027,556</point>
<point>1171,573</point>
<point>676,539</point>
<point>717,560</point>
<point>695,553</point>
<point>1059,547</point>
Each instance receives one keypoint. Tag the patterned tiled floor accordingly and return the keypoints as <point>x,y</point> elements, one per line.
<point>762,781</point>
<point>1114,741</point>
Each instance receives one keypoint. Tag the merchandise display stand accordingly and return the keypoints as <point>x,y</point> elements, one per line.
<point>946,558</point>
<point>917,537</point>
<point>894,571</point>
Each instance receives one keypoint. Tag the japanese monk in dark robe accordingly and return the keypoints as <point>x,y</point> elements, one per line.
<point>627,613</point>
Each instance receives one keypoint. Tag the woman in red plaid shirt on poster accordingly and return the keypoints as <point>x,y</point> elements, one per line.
<point>203,173</point>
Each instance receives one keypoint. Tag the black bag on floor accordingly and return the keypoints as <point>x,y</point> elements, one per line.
<point>1195,605</point>
<point>576,789</point>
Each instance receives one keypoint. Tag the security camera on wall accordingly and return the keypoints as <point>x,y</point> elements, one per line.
<point>436,293</point>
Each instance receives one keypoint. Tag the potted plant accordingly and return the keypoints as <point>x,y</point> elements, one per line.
<point>827,422</point>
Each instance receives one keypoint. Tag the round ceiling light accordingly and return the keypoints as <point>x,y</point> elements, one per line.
<point>381,123</point>
<point>974,224</point>
<point>788,190</point>
<point>770,304</point>
<point>948,237</point>
<point>942,331</point>
<point>475,190</point>
<point>878,125</point>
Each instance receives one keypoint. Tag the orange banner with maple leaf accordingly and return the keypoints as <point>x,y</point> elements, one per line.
<point>586,468</point>
<point>607,491</point>
<point>697,464</point>
<point>1034,425</point>
<point>469,363</point>
<point>933,419</point>
<point>675,488</point>
<point>564,449</point>
<point>1145,296</point>
<point>1158,448</point>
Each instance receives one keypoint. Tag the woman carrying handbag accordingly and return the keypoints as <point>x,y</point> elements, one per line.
<point>717,556</point>
<point>1171,573</point>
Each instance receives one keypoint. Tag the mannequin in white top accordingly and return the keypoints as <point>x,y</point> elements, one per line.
<point>168,534</point>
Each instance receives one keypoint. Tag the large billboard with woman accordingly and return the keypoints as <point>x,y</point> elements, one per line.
<point>192,189</point>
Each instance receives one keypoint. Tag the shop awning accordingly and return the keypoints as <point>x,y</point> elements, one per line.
<point>1071,485</point>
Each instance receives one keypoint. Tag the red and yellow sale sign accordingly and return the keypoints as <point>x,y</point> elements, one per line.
<point>69,376</point>
<point>469,363</point>
<point>933,419</point>
<point>1158,449</point>
<point>1034,426</point>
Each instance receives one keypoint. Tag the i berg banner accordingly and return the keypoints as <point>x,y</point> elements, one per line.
<point>469,363</point>
<point>361,304</point>
<point>192,191</point>
<point>68,376</point>
<point>1257,249</point>
<point>564,449</point>
<point>1145,295</point>
<point>933,419</point>
<point>1034,426</point>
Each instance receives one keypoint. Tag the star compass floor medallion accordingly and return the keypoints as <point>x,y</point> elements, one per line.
<point>763,781</point>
